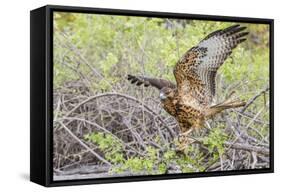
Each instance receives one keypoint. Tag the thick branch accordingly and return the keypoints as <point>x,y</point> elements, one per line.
<point>247,147</point>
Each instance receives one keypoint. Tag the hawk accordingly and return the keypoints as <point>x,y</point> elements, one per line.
<point>191,99</point>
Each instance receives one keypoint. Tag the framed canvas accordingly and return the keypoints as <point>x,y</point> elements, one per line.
<point>125,95</point>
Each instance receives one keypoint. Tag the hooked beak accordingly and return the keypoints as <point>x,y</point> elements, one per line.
<point>162,96</point>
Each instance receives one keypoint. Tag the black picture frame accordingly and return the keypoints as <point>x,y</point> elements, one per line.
<point>41,102</point>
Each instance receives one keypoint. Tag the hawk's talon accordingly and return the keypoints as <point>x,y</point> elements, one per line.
<point>184,141</point>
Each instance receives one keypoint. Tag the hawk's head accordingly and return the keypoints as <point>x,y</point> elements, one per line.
<point>166,93</point>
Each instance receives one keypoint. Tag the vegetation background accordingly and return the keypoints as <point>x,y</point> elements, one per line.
<point>104,127</point>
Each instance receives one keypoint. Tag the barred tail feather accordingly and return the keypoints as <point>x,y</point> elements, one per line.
<point>213,110</point>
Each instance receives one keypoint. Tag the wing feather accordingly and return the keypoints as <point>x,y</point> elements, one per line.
<point>154,82</point>
<point>196,71</point>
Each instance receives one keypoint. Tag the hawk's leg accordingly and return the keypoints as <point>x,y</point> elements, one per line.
<point>184,140</point>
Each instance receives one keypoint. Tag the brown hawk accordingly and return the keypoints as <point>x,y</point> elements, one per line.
<point>190,101</point>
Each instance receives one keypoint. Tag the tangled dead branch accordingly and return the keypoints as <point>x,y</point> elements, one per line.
<point>137,125</point>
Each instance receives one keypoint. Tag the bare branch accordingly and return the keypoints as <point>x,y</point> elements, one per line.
<point>251,101</point>
<point>84,145</point>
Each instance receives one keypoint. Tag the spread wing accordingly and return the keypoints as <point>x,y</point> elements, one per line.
<point>154,82</point>
<point>196,71</point>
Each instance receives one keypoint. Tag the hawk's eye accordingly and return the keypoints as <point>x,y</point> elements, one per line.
<point>169,93</point>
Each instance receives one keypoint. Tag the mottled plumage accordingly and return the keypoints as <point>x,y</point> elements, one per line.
<point>190,101</point>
